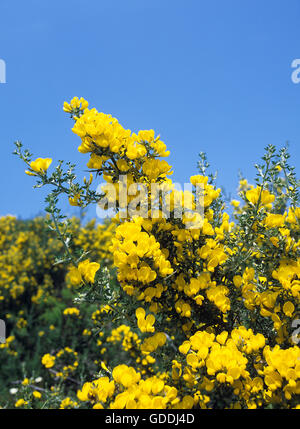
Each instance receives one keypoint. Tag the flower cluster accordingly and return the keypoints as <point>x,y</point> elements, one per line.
<point>201,312</point>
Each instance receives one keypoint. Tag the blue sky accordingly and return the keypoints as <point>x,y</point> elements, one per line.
<point>207,75</point>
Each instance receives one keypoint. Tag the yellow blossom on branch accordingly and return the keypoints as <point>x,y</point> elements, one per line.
<point>40,165</point>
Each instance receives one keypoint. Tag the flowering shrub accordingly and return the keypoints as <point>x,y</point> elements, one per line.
<point>35,293</point>
<point>204,308</point>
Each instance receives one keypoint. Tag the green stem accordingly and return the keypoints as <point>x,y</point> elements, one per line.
<point>62,240</point>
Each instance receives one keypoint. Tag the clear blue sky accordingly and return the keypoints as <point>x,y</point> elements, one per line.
<point>208,75</point>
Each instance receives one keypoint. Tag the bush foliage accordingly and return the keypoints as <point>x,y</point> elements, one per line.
<point>149,310</point>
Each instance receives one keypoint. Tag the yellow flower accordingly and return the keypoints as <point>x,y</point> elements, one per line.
<point>20,402</point>
<point>48,360</point>
<point>98,406</point>
<point>274,241</point>
<point>243,185</point>
<point>84,393</point>
<point>154,168</point>
<point>274,220</point>
<point>221,338</point>
<point>122,165</point>
<point>37,394</point>
<point>71,311</point>
<point>235,203</point>
<point>264,195</point>
<point>125,375</point>
<point>95,162</point>
<point>75,201</point>
<point>221,377</point>
<point>75,103</point>
<point>237,281</point>
<point>40,165</point>
<point>75,276</point>
<point>88,270</point>
<point>145,324</point>
<point>288,308</point>
<point>67,403</point>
